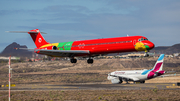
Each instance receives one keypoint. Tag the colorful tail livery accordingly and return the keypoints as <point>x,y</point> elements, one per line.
<point>88,48</point>
<point>37,38</point>
<point>138,75</point>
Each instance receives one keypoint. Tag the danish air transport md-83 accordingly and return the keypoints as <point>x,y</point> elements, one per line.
<point>138,75</point>
<point>88,48</point>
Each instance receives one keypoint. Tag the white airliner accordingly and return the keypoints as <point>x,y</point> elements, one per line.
<point>138,75</point>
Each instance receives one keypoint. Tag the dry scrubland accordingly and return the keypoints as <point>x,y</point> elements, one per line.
<point>63,72</point>
<point>49,72</point>
<point>94,95</point>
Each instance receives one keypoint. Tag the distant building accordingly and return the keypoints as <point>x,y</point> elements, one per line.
<point>12,58</point>
<point>134,55</point>
<point>169,56</point>
<point>176,54</point>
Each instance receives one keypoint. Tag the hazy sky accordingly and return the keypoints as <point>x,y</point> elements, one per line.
<point>70,20</point>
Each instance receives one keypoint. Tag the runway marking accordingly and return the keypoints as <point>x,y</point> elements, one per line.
<point>149,86</point>
<point>91,86</point>
<point>70,87</point>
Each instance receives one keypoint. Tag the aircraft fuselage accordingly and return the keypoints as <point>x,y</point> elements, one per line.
<point>105,45</point>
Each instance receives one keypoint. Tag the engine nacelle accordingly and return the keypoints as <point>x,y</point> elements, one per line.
<point>116,81</point>
<point>54,48</point>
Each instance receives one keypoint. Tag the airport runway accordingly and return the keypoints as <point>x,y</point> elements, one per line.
<point>29,87</point>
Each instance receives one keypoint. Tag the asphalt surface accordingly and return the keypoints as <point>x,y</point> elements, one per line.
<point>29,87</point>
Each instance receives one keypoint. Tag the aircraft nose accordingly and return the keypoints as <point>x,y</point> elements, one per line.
<point>149,45</point>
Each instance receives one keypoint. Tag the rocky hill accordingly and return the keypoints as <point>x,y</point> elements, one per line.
<point>10,50</point>
<point>167,49</point>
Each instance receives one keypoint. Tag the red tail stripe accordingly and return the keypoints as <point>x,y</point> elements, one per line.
<point>158,66</point>
<point>37,38</point>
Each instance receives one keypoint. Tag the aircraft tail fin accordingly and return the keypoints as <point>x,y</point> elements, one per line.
<point>35,35</point>
<point>159,63</point>
<point>37,38</point>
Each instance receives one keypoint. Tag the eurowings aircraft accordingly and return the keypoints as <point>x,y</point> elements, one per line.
<point>138,75</point>
<point>88,48</point>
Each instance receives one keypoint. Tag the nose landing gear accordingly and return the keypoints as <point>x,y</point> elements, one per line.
<point>146,54</point>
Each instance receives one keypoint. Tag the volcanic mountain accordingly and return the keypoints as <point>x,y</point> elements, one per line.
<point>10,50</point>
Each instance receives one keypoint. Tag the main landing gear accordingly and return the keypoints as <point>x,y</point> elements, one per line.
<point>120,81</point>
<point>73,60</point>
<point>139,82</point>
<point>90,61</point>
<point>142,81</point>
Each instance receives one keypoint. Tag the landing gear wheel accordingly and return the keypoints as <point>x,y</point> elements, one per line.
<point>142,81</point>
<point>127,82</point>
<point>120,81</point>
<point>73,60</point>
<point>90,61</point>
<point>146,54</point>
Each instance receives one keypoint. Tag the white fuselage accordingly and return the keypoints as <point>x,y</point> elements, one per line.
<point>137,75</point>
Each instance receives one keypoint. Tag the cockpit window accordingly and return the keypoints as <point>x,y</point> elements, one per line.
<point>142,39</point>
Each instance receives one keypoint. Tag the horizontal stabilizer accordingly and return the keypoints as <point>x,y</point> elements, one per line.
<point>25,32</point>
<point>24,49</point>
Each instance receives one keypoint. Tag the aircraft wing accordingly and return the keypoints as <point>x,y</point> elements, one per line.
<point>58,53</point>
<point>61,53</point>
<point>130,78</point>
<point>127,78</point>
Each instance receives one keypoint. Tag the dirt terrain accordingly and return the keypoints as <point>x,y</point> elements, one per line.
<point>94,95</point>
<point>81,72</point>
<point>63,72</point>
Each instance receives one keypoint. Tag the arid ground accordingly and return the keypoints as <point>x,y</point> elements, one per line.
<point>63,72</point>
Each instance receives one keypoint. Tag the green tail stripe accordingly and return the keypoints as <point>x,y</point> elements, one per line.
<point>65,45</point>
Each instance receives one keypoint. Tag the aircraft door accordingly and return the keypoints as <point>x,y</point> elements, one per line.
<point>134,42</point>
